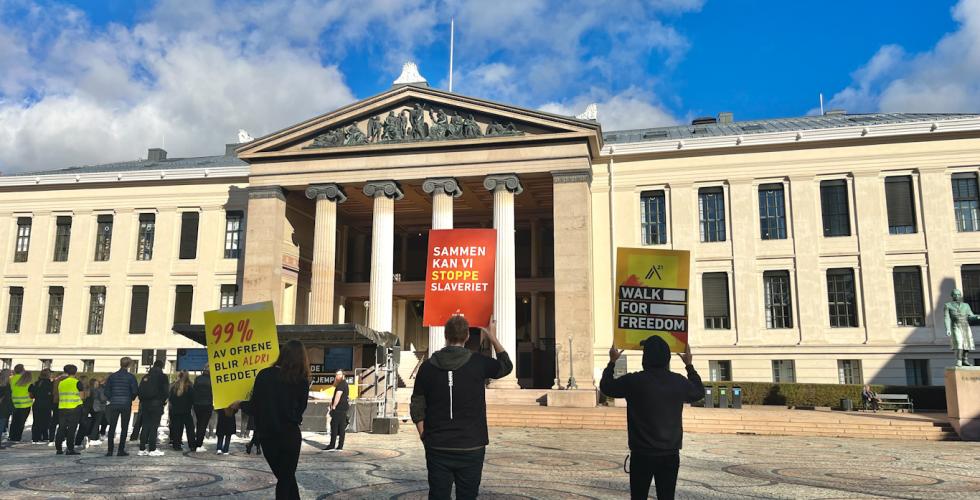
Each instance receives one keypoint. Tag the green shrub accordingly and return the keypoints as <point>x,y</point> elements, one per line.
<point>827,395</point>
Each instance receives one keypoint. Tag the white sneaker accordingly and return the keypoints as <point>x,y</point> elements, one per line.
<point>35,442</point>
<point>143,453</point>
<point>95,443</point>
<point>50,443</point>
<point>155,453</point>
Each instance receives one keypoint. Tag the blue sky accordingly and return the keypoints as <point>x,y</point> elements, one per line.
<point>94,81</point>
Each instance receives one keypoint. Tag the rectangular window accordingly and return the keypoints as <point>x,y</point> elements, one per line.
<point>96,310</point>
<point>901,204</point>
<point>6,363</point>
<point>714,295</point>
<point>45,364</point>
<point>23,244</point>
<point>183,303</point>
<point>88,365</point>
<point>188,235</point>
<point>653,217</point>
<point>779,308</point>
<point>971,285</point>
<point>908,296</point>
<point>783,370</point>
<point>917,372</point>
<point>841,298</point>
<point>233,235</point>
<point>835,208</point>
<point>772,212</point>
<point>711,210</point>
<point>849,371</point>
<point>144,243</point>
<point>965,202</point>
<point>62,238</point>
<point>15,309</point>
<point>720,371</point>
<point>229,296</point>
<point>103,238</point>
<point>137,309</point>
<point>56,302</point>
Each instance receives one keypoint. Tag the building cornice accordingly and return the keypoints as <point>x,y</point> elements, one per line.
<point>735,142</point>
<point>145,175</point>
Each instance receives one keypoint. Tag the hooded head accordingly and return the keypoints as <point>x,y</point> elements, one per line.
<point>656,353</point>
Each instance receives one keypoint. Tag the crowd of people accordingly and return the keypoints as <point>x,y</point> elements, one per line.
<point>448,407</point>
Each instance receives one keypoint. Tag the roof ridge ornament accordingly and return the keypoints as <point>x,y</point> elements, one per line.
<point>591,112</point>
<point>410,76</point>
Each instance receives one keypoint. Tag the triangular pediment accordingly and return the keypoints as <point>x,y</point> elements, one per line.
<point>411,117</point>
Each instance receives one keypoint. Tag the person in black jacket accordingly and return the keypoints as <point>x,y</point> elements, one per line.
<point>338,411</point>
<point>655,400</point>
<point>203,406</point>
<point>277,403</point>
<point>43,393</point>
<point>6,402</point>
<point>121,389</point>
<point>449,409</point>
<point>181,402</point>
<point>153,391</point>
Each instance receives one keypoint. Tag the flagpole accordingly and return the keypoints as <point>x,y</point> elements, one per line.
<point>452,34</point>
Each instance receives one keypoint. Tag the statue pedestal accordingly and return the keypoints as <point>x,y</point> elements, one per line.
<point>963,401</point>
<point>575,398</point>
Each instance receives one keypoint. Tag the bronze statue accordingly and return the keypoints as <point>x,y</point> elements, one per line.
<point>374,129</point>
<point>440,126</point>
<point>957,315</point>
<point>416,117</point>
<point>390,127</point>
<point>456,126</point>
<point>470,127</point>
<point>353,136</point>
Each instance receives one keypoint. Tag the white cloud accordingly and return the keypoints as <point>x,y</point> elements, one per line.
<point>945,78</point>
<point>630,109</point>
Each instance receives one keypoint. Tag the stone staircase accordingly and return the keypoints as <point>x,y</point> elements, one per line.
<point>750,421</point>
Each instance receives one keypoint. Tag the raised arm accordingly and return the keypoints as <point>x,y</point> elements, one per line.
<point>613,387</point>
<point>696,392</point>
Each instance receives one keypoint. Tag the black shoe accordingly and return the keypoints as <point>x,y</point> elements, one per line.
<point>122,453</point>
<point>248,449</point>
<point>109,453</point>
<point>72,452</point>
<point>328,448</point>
<point>59,452</point>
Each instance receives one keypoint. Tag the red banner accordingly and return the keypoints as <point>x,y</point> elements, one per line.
<point>459,275</point>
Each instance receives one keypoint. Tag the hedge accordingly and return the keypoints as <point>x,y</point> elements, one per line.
<point>827,395</point>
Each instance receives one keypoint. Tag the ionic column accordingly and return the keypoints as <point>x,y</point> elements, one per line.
<point>504,188</point>
<point>443,191</point>
<point>327,197</point>
<point>382,252</point>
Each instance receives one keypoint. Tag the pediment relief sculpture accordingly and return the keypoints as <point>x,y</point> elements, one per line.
<point>416,122</point>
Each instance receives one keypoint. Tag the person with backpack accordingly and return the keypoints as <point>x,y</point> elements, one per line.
<point>122,389</point>
<point>449,409</point>
<point>655,400</point>
<point>203,406</point>
<point>42,391</point>
<point>153,390</point>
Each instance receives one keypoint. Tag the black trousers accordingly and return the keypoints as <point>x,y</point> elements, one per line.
<point>203,414</point>
<point>338,428</point>
<point>151,425</point>
<point>113,414</point>
<point>660,468</point>
<point>17,421</point>
<point>137,425</point>
<point>84,425</point>
<point>282,453</point>
<point>67,425</point>
<point>181,423</point>
<point>95,421</point>
<point>446,467</point>
<point>41,428</point>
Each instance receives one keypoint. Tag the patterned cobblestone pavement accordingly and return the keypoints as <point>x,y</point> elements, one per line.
<point>521,463</point>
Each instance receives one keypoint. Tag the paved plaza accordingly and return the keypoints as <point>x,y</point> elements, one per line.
<point>521,463</point>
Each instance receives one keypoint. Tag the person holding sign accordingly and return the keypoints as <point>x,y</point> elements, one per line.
<point>278,401</point>
<point>449,409</point>
<point>655,401</point>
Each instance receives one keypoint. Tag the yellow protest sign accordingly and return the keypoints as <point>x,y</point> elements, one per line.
<point>651,297</point>
<point>241,341</point>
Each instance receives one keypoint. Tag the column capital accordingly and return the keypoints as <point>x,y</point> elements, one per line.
<point>267,192</point>
<point>388,189</point>
<point>331,191</point>
<point>448,185</point>
<point>510,182</point>
<point>569,176</point>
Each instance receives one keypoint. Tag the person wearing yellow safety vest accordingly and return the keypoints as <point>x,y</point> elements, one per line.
<point>69,391</point>
<point>20,384</point>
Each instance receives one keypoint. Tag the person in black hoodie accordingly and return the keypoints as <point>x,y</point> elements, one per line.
<point>153,390</point>
<point>43,393</point>
<point>449,409</point>
<point>203,406</point>
<point>655,400</point>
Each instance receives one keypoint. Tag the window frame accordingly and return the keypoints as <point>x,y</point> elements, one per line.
<point>852,367</point>
<point>103,239</point>
<point>140,329</point>
<point>14,318</point>
<point>56,309</point>
<point>715,322</point>
<point>233,237</point>
<point>88,366</point>
<point>853,321</point>
<point>785,320</point>
<point>970,285</point>
<point>913,204</point>
<point>828,220</point>
<point>189,240</point>
<point>902,317</point>
<point>25,226</point>
<point>650,228</point>
<point>719,232</point>
<point>145,235</point>
<point>178,291</point>
<point>223,293</point>
<point>769,221</point>
<point>96,311</point>
<point>778,367</point>
<point>62,238</point>
<point>970,181</point>
<point>717,370</point>
<point>919,368</point>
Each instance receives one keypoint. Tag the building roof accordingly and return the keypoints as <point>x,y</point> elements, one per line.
<point>137,165</point>
<point>802,123</point>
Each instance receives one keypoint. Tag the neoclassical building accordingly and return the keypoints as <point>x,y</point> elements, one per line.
<point>821,246</point>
